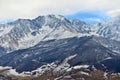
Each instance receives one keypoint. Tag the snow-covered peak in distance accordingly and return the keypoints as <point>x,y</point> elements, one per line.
<point>110,29</point>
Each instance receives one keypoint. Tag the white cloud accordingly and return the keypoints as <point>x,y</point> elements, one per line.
<point>114,13</point>
<point>12,9</point>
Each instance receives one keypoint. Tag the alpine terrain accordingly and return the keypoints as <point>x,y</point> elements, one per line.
<point>53,47</point>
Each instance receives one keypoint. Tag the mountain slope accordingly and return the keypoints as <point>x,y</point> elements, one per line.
<point>87,51</point>
<point>110,29</point>
<point>55,43</point>
<point>25,33</point>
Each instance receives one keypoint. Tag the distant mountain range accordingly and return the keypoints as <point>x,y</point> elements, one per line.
<point>28,45</point>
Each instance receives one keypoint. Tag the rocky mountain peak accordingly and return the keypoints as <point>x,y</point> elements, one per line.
<point>110,29</point>
<point>25,33</point>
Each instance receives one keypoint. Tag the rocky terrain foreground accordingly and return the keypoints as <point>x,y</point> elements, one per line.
<point>75,74</point>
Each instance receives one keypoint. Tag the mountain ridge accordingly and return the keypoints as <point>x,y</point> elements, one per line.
<point>24,30</point>
<point>46,52</point>
<point>54,38</point>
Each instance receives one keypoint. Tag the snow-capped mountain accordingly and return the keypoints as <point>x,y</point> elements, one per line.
<point>110,29</point>
<point>55,42</point>
<point>25,33</point>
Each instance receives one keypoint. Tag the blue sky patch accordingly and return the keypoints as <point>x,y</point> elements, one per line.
<point>90,17</point>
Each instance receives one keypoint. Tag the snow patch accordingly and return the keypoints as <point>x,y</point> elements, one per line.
<point>10,71</point>
<point>64,65</point>
<point>81,66</point>
<point>85,73</point>
<point>4,30</point>
<point>78,67</point>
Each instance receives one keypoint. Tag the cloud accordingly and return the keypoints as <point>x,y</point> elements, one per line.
<point>13,9</point>
<point>114,13</point>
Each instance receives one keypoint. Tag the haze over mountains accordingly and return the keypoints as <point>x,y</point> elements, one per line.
<point>54,41</point>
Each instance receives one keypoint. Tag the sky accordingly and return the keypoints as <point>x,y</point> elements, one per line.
<point>90,17</point>
<point>87,10</point>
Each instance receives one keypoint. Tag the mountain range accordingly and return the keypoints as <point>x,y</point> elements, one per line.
<point>55,42</point>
